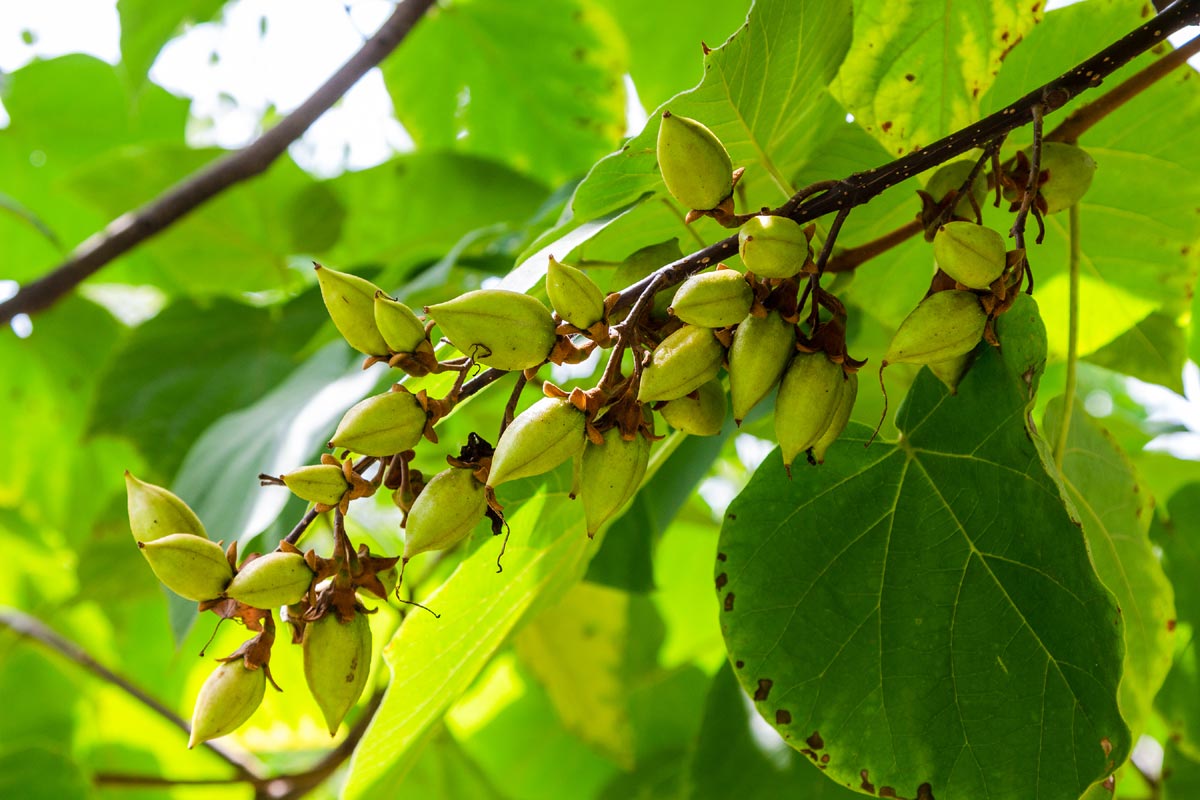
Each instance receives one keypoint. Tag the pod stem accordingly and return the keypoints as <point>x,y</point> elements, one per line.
<point>1060,445</point>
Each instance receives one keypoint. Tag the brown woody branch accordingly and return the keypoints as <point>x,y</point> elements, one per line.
<point>862,187</point>
<point>134,227</point>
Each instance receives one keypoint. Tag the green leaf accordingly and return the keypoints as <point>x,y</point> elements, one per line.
<point>763,94</point>
<point>535,85</point>
<point>1179,700</point>
<point>191,364</point>
<point>446,772</point>
<point>147,25</point>
<point>1154,350</point>
<point>433,661</point>
<point>926,612</point>
<point>916,71</point>
<point>1181,774</point>
<point>729,759</point>
<point>41,772</point>
<point>1179,537</point>
<point>1116,512</point>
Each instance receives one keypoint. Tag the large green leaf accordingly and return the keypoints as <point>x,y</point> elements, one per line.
<point>432,661</point>
<point>917,71</point>
<point>535,85</point>
<point>1153,350</point>
<point>764,94</point>
<point>147,25</point>
<point>1180,774</point>
<point>925,612</point>
<point>180,371</point>
<point>1116,512</point>
<point>1179,538</point>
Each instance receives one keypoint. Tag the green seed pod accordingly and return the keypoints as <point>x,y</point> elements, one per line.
<point>155,512</point>
<point>574,295</point>
<point>611,474</point>
<point>350,301</point>
<point>498,328</point>
<point>319,483</point>
<point>703,415</point>
<point>229,697</point>
<point>445,512</point>
<point>390,578</point>
<point>757,358</point>
<point>694,163</point>
<point>942,326</point>
<point>950,177</point>
<point>713,299</point>
<point>643,262</point>
<point>840,418</point>
<point>189,566</point>
<point>398,325</point>
<point>270,581</point>
<point>808,399</point>
<point>382,425</point>
<point>682,363</point>
<point>543,436</point>
<point>971,254</point>
<point>337,661</point>
<point>951,371</point>
<point>1070,170</point>
<point>773,247</point>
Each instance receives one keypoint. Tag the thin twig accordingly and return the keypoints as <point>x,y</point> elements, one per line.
<point>854,257</point>
<point>1017,231</point>
<point>134,227</point>
<point>246,767</point>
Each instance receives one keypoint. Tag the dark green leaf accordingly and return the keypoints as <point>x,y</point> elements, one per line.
<point>926,612</point>
<point>42,772</point>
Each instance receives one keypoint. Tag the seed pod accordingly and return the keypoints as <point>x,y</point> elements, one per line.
<point>1070,170</point>
<point>574,295</point>
<point>337,661</point>
<point>643,262</point>
<point>189,566</point>
<point>807,403</point>
<point>682,363</point>
<point>543,436</point>
<point>498,328</point>
<point>942,326</point>
<point>611,474</point>
<point>381,425</point>
<point>971,254</point>
<point>757,358</point>
<point>319,483</point>
<point>773,247</point>
<point>951,371</point>
<point>713,299</point>
<point>270,581</point>
<point>840,418</point>
<point>398,325</point>
<point>694,163</point>
<point>445,512</point>
<point>950,177</point>
<point>229,697</point>
<point>155,512</point>
<point>703,415</point>
<point>350,301</point>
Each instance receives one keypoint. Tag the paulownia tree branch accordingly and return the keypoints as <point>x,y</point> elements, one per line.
<point>134,227</point>
<point>861,187</point>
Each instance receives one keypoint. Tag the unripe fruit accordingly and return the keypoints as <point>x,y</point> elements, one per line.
<point>942,326</point>
<point>950,177</point>
<point>319,483</point>
<point>713,299</point>
<point>703,415</point>
<point>1070,171</point>
<point>229,697</point>
<point>951,371</point>
<point>270,581</point>
<point>398,325</point>
<point>840,418</point>
<point>445,512</point>
<point>772,246</point>
<point>155,512</point>
<point>757,358</point>
<point>189,566</point>
<point>612,473</point>
<point>971,254</point>
<point>543,436</point>
<point>381,425</point>
<point>498,328</point>
<point>807,403</point>
<point>350,301</point>
<point>337,661</point>
<point>574,295</point>
<point>694,163</point>
<point>643,262</point>
<point>682,363</point>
